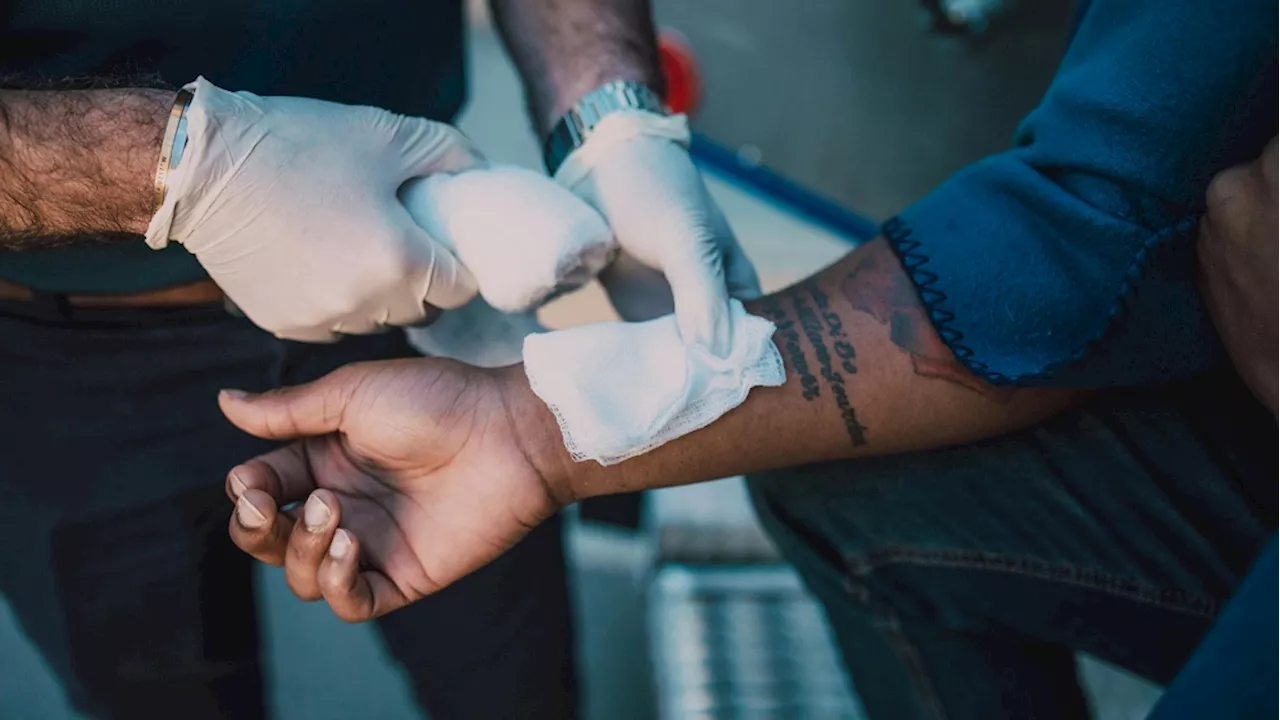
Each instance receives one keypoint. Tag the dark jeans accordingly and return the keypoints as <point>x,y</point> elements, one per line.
<point>961,581</point>
<point>113,528</point>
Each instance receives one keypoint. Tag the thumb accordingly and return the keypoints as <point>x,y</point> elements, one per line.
<point>449,284</point>
<point>312,409</point>
<point>697,279</point>
<point>427,147</point>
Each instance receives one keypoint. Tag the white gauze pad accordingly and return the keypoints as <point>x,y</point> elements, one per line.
<point>622,389</point>
<point>476,334</point>
<point>523,237</point>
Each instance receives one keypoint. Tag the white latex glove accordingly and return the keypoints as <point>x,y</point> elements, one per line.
<point>635,169</point>
<point>290,205</point>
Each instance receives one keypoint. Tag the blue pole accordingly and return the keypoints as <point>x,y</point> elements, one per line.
<point>800,200</point>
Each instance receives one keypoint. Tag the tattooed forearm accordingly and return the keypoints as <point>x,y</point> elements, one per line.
<point>878,287</point>
<point>842,347</point>
<point>813,330</point>
<point>833,351</point>
<point>790,344</point>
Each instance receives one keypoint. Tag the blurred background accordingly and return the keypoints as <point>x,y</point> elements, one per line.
<point>817,119</point>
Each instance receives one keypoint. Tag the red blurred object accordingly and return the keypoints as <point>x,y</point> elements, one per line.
<point>680,68</point>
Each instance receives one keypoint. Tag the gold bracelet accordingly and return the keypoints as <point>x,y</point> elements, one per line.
<point>180,104</point>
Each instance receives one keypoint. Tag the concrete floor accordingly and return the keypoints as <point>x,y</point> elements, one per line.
<point>863,68</point>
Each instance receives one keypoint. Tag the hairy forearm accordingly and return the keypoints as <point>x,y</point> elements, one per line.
<point>866,375</point>
<point>77,162</point>
<point>566,48</point>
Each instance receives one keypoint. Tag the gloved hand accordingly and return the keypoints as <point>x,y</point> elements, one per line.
<point>290,205</point>
<point>635,169</point>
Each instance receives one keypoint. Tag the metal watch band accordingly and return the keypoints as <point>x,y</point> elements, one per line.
<point>575,126</point>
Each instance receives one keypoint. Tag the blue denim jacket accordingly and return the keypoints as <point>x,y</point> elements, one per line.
<point>1233,672</point>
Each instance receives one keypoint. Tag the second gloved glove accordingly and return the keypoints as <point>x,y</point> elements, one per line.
<point>290,205</point>
<point>635,169</point>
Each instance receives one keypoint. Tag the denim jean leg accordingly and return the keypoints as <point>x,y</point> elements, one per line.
<point>115,555</point>
<point>961,581</point>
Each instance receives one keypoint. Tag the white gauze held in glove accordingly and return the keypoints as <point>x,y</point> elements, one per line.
<point>476,334</point>
<point>622,389</point>
<point>524,238</point>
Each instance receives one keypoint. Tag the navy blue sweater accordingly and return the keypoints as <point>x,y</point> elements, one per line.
<point>1069,259</point>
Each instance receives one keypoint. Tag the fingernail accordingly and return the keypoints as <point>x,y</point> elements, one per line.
<point>340,546</point>
<point>234,394</point>
<point>237,485</point>
<point>248,515</point>
<point>315,514</point>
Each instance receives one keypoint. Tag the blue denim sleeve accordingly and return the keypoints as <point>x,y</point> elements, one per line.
<point>1069,259</point>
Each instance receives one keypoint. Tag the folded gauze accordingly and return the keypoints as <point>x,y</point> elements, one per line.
<point>524,238</point>
<point>622,389</point>
<point>476,334</point>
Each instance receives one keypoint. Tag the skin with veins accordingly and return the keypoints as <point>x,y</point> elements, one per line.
<point>876,287</point>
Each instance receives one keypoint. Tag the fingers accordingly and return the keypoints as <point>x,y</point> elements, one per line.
<point>701,300</point>
<point>1243,182</point>
<point>259,528</point>
<point>425,147</point>
<point>449,284</point>
<point>311,409</point>
<point>355,595</point>
<point>1228,187</point>
<point>259,488</point>
<point>697,269</point>
<point>309,543</point>
<point>284,474</point>
<point>320,560</point>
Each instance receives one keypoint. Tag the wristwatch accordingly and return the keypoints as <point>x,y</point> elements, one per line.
<point>575,126</point>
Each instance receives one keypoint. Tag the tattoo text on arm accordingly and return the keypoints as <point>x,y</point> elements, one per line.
<point>834,352</point>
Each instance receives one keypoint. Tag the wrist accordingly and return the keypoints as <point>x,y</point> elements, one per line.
<point>566,93</point>
<point>137,125</point>
<point>538,436</point>
<point>610,110</point>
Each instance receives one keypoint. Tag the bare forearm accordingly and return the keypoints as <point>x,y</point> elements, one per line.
<point>78,162</point>
<point>866,375</point>
<point>566,48</point>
